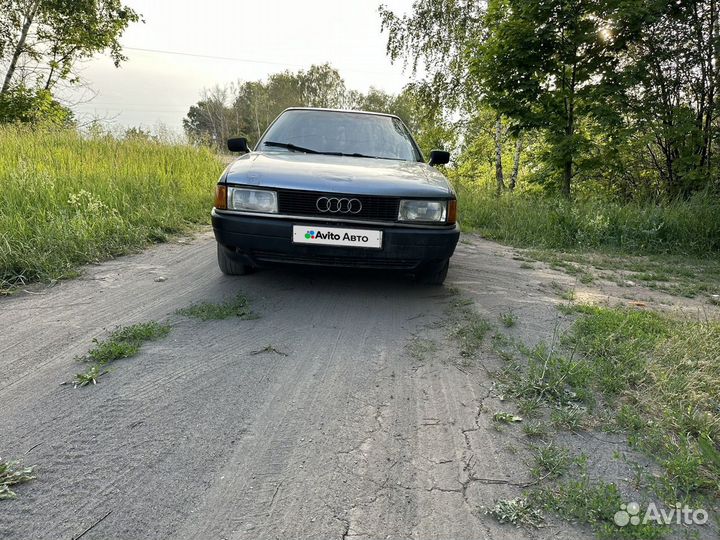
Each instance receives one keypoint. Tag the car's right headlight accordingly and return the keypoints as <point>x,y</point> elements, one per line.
<point>252,200</point>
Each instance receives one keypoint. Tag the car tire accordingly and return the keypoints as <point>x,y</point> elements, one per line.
<point>228,265</point>
<point>434,273</point>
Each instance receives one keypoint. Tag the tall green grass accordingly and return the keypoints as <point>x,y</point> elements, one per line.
<point>524,220</point>
<point>66,199</point>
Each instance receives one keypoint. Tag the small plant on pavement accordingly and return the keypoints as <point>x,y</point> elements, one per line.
<point>506,418</point>
<point>123,342</point>
<point>517,511</point>
<point>12,473</point>
<point>207,311</point>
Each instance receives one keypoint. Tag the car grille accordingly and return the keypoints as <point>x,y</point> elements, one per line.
<point>303,203</point>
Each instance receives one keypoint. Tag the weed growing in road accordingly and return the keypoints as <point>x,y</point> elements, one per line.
<point>123,342</point>
<point>570,417</point>
<point>551,461</point>
<point>649,375</point>
<point>207,311</point>
<point>12,473</point>
<point>421,348</point>
<point>508,319</point>
<point>535,429</point>
<point>516,511</point>
<point>471,333</point>
<point>90,376</point>
<point>506,418</point>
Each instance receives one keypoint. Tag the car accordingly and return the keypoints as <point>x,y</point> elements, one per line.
<point>336,188</point>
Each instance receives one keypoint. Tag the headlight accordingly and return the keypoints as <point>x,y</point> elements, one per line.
<point>427,211</point>
<point>252,200</point>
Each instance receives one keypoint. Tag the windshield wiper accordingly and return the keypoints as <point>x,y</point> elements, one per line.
<point>291,146</point>
<point>296,148</point>
<point>356,154</point>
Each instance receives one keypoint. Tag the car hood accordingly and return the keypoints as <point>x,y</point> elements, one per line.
<point>338,174</point>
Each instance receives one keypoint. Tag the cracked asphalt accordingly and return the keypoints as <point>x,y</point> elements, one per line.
<point>355,433</point>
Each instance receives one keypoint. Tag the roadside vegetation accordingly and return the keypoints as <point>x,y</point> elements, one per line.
<point>650,377</point>
<point>124,342</point>
<point>68,199</point>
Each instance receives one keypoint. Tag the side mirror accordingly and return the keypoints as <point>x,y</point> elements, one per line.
<point>439,157</point>
<point>238,144</point>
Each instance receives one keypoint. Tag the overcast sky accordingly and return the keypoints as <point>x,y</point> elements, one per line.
<point>262,36</point>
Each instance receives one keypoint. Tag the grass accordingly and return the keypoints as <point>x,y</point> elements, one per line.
<point>508,319</point>
<point>525,220</point>
<point>123,342</point>
<point>11,474</point>
<point>657,376</point>
<point>648,375</point>
<point>551,461</point>
<point>239,306</point>
<point>470,332</point>
<point>594,503</point>
<point>688,276</point>
<point>68,200</point>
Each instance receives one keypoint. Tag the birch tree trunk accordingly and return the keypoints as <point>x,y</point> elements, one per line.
<point>20,46</point>
<point>499,177</point>
<point>516,163</point>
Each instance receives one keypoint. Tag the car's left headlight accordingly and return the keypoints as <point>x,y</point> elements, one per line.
<point>423,211</point>
<point>252,200</point>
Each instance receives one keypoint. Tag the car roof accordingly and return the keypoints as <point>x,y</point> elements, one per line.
<point>373,113</point>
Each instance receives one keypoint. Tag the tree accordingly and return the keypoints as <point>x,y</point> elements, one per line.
<point>247,109</point>
<point>211,121</point>
<point>437,35</point>
<point>548,65</point>
<point>42,40</point>
<point>673,71</point>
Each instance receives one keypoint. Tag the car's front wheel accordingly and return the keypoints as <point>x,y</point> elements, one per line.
<point>434,273</point>
<point>228,265</point>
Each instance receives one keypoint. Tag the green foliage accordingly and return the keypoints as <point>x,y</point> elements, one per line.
<point>12,473</point>
<point>526,220</point>
<point>125,342</point>
<point>668,374</point>
<point>67,200</point>
<point>248,109</point>
<point>613,97</point>
<point>55,34</point>
<point>25,105</point>
<point>594,503</point>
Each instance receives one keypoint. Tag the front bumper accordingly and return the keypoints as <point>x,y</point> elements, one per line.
<point>259,240</point>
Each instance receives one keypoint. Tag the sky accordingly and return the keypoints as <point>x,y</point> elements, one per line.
<point>222,41</point>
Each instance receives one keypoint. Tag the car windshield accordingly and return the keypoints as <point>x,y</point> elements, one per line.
<point>340,133</point>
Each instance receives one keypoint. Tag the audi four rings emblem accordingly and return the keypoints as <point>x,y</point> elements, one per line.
<point>335,205</point>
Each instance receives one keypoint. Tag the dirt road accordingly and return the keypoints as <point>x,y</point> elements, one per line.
<point>355,433</point>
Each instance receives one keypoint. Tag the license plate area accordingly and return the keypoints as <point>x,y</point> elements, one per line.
<point>337,236</point>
